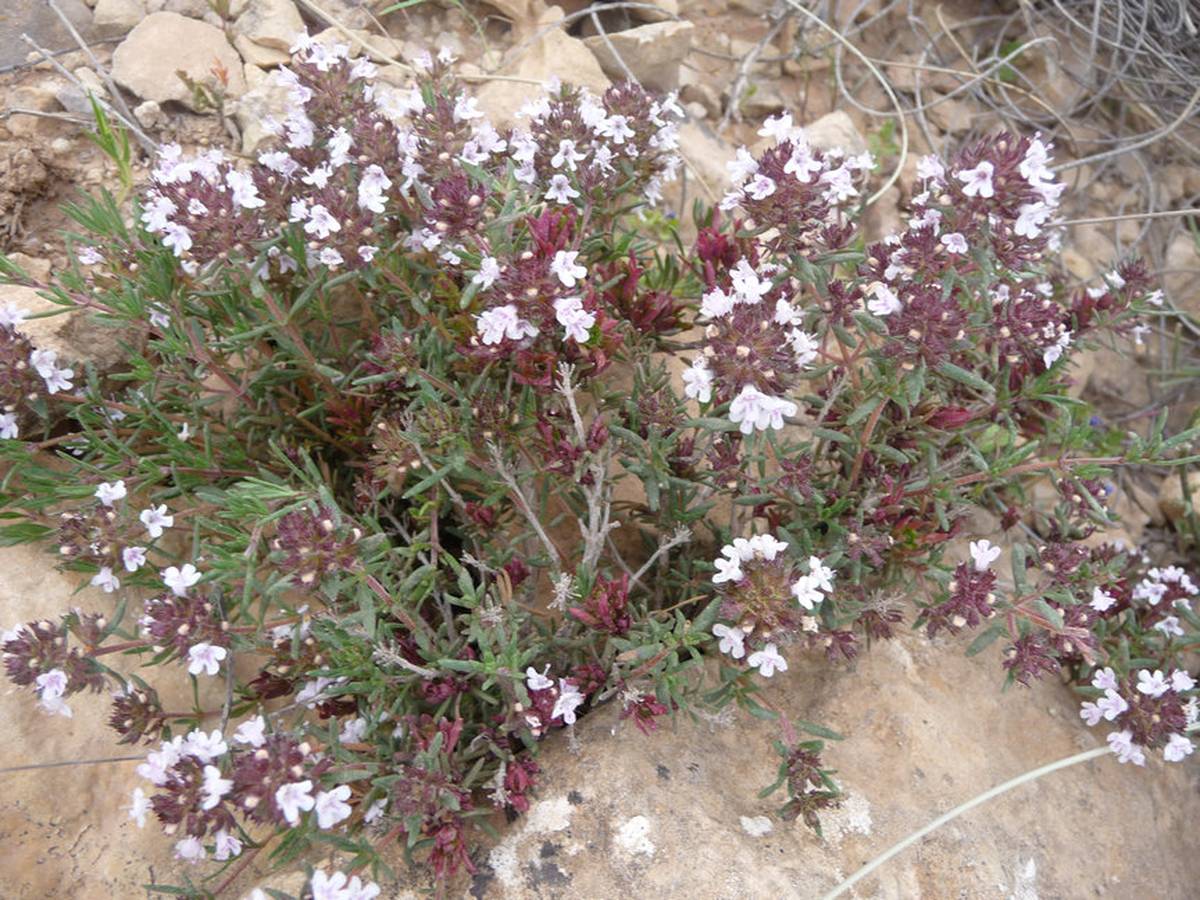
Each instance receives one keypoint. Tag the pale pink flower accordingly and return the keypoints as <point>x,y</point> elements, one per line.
<point>293,798</point>
<point>977,182</point>
<point>768,661</point>
<point>206,658</point>
<point>732,640</point>
<point>331,806</point>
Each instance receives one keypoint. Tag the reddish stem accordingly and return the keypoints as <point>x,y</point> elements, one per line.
<point>1042,465</point>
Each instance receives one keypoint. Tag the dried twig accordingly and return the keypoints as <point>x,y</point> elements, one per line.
<point>505,474</point>
<point>70,762</point>
<point>125,113</point>
<point>682,535</point>
<point>887,88</point>
<point>147,143</point>
<point>62,117</point>
<point>779,16</point>
<point>596,494</point>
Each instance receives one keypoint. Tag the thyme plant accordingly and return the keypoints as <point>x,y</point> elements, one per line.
<point>431,440</point>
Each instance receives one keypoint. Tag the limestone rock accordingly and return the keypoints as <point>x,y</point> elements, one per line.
<point>150,115</point>
<point>265,100</point>
<point>55,845</point>
<point>676,814</point>
<point>272,23</point>
<point>693,88</point>
<point>1171,500</point>
<point>258,55</point>
<point>22,174</point>
<point>521,13</point>
<point>91,81</point>
<point>652,52</point>
<point>1111,378</point>
<point>266,30</point>
<point>164,43</point>
<point>1131,510</point>
<point>1182,261</point>
<point>349,13</point>
<point>884,217</point>
<point>376,42</point>
<point>904,71</point>
<point>75,335</point>
<point>1090,252</point>
<point>666,10</point>
<point>117,16</point>
<point>74,99</point>
<point>740,48</point>
<point>835,130</point>
<point>41,96</point>
<point>193,9</point>
<point>31,265</point>
<point>952,116</point>
<point>761,99</point>
<point>554,54</point>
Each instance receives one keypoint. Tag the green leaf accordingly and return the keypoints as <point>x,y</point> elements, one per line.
<point>759,712</point>
<point>835,436</point>
<point>1018,566</point>
<point>864,410</point>
<point>994,437</point>
<point>24,533</point>
<point>1052,615</point>
<point>463,665</point>
<point>984,639</point>
<point>818,730</point>
<point>890,452</point>
<point>1182,438</point>
<point>870,323</point>
<point>712,424</point>
<point>962,376</point>
<point>428,481</point>
<point>468,295</point>
<point>914,385</point>
<point>707,617</point>
<point>342,776</point>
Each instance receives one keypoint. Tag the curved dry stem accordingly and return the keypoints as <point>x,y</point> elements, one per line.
<point>887,88</point>
<point>978,800</point>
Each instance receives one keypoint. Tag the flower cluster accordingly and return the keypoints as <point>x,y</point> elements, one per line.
<point>101,536</point>
<point>27,374</point>
<point>607,606</point>
<point>313,546</point>
<point>799,195</point>
<point>37,655</point>
<point>971,598</point>
<point>810,787</point>
<point>193,626</point>
<point>754,351</point>
<point>1151,712</point>
<point>136,714</point>
<point>1159,599</point>
<point>761,592</point>
<point>550,702</point>
<point>203,787</point>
